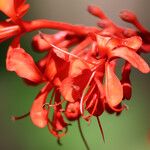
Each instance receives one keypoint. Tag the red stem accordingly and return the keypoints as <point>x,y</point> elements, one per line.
<point>140,27</point>
<point>41,24</point>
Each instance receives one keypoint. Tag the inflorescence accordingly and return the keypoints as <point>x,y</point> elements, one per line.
<point>79,66</point>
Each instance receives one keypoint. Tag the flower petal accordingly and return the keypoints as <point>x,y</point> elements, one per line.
<point>66,89</point>
<point>125,81</point>
<point>38,114</point>
<point>113,87</point>
<point>76,68</point>
<point>21,7</point>
<point>56,66</point>
<point>132,57</point>
<point>134,42</point>
<point>23,64</point>
<point>7,7</point>
<point>102,42</point>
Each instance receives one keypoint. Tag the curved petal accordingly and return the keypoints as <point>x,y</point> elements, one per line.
<point>21,7</point>
<point>7,7</point>
<point>102,42</point>
<point>113,87</point>
<point>38,114</point>
<point>23,64</point>
<point>56,66</point>
<point>134,42</point>
<point>125,81</point>
<point>76,68</point>
<point>66,89</point>
<point>132,57</point>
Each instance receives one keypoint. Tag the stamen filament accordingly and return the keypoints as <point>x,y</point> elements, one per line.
<point>14,118</point>
<point>63,51</point>
<point>101,129</point>
<point>53,105</point>
<point>82,97</point>
<point>82,136</point>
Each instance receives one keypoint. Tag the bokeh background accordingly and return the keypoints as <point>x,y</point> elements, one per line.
<point>127,132</point>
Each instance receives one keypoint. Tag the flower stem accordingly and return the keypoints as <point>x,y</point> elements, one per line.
<point>42,23</point>
<point>82,136</point>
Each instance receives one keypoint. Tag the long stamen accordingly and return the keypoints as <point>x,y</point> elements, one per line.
<point>89,93</point>
<point>83,138</point>
<point>82,97</point>
<point>101,129</point>
<point>58,141</point>
<point>14,118</point>
<point>75,56</point>
<point>63,51</point>
<point>53,105</point>
<point>54,132</point>
<point>87,118</point>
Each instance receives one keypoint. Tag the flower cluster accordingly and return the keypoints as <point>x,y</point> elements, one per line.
<point>79,68</point>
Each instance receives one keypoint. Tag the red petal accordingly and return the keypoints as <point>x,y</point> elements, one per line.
<point>76,68</point>
<point>7,7</point>
<point>127,90</point>
<point>22,10</point>
<point>23,64</point>
<point>102,41</point>
<point>132,57</point>
<point>125,81</point>
<point>72,87</point>
<point>38,114</point>
<point>113,87</point>
<point>19,3</point>
<point>58,121</point>
<point>40,44</point>
<point>134,42</point>
<point>66,89</point>
<point>146,48</point>
<point>21,7</point>
<point>113,43</point>
<point>57,66</point>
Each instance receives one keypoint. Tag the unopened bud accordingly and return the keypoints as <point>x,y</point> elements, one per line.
<point>128,16</point>
<point>94,10</point>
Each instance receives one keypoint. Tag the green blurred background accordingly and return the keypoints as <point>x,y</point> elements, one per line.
<point>129,131</point>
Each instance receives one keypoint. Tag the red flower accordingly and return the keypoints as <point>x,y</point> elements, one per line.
<point>79,68</point>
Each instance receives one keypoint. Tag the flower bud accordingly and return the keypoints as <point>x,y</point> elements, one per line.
<point>128,16</point>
